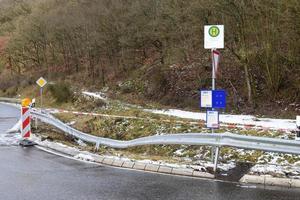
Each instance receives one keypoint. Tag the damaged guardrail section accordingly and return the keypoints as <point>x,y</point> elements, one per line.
<point>218,140</point>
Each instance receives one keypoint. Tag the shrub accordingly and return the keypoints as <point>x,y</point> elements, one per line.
<point>61,92</point>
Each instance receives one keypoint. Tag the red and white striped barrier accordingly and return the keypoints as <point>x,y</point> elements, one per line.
<point>25,128</point>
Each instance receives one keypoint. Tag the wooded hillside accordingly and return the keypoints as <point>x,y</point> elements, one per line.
<point>154,50</point>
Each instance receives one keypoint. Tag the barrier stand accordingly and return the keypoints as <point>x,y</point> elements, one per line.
<point>26,125</point>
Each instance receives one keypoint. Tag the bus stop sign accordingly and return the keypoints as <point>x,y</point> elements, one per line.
<point>213,99</point>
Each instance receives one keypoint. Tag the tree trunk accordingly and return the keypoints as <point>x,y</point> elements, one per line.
<point>248,83</point>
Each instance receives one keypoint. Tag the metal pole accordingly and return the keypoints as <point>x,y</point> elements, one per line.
<point>213,85</point>
<point>216,159</point>
<point>213,70</point>
<point>41,93</point>
<point>212,130</point>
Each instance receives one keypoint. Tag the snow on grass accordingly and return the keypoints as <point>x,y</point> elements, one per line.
<point>179,152</point>
<point>85,157</point>
<point>96,95</point>
<point>231,119</point>
<point>276,170</point>
<point>221,166</point>
<point>71,123</point>
<point>81,143</point>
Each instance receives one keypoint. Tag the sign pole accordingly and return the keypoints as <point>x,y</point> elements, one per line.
<point>41,94</point>
<point>215,150</point>
<point>213,85</point>
<point>41,82</point>
<point>213,39</point>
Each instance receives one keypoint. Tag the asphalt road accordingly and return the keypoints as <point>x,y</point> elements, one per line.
<point>29,173</point>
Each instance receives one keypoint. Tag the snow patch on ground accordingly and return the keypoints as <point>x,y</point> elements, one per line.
<point>283,171</point>
<point>81,143</point>
<point>179,152</point>
<point>71,123</point>
<point>85,157</point>
<point>231,119</point>
<point>96,95</point>
<point>221,166</point>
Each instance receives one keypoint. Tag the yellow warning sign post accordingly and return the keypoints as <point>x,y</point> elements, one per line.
<point>41,82</point>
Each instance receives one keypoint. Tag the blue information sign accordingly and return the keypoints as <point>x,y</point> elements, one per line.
<point>218,98</point>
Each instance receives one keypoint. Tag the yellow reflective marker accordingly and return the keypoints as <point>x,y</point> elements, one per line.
<point>41,82</point>
<point>26,102</point>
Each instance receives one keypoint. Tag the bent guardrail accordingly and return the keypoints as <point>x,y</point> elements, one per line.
<point>218,140</point>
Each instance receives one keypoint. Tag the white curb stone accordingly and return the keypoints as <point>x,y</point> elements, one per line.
<point>278,181</point>
<point>203,174</point>
<point>182,171</point>
<point>152,167</point>
<point>269,180</point>
<point>128,164</point>
<point>253,179</point>
<point>139,165</point>
<point>295,183</point>
<point>164,169</point>
<point>118,163</point>
<point>98,159</point>
<point>108,161</point>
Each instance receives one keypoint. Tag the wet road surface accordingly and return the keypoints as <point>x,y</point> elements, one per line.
<point>28,173</point>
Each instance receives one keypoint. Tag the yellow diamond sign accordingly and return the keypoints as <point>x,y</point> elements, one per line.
<point>41,82</point>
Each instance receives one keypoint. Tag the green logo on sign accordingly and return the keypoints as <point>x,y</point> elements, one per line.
<point>214,31</point>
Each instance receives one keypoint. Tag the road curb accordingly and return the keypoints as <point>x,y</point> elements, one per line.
<point>151,167</point>
<point>268,180</point>
<point>130,164</point>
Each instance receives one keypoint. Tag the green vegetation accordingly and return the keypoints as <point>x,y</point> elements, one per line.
<point>61,92</point>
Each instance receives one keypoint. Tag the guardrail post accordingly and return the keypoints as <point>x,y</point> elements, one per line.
<point>216,159</point>
<point>97,146</point>
<point>36,122</point>
<point>212,151</point>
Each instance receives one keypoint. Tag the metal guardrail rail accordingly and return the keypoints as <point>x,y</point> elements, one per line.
<point>217,140</point>
<point>10,100</point>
